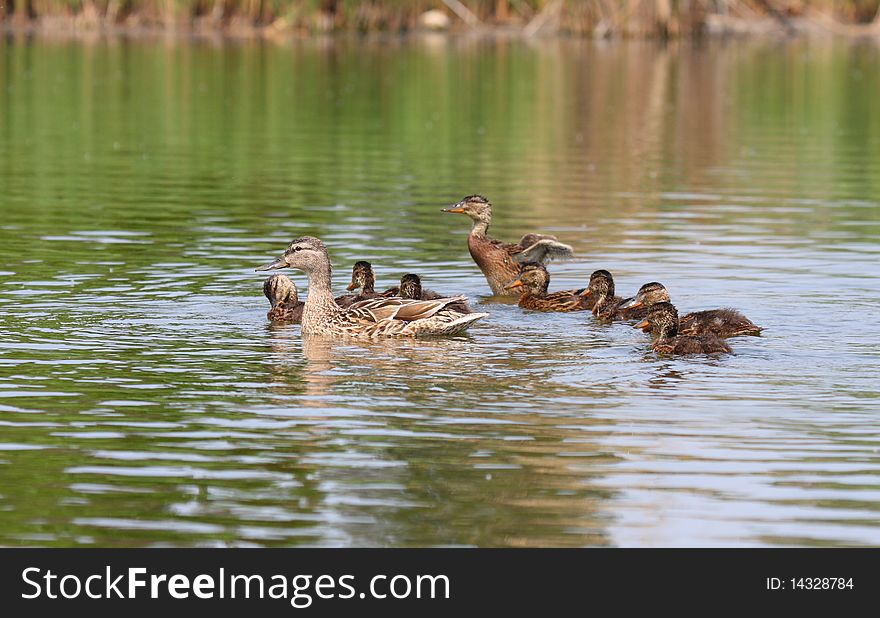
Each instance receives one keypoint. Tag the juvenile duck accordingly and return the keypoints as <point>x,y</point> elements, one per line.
<point>534,281</point>
<point>411,287</point>
<point>362,279</point>
<point>662,323</point>
<point>606,305</point>
<point>497,260</point>
<point>371,318</point>
<point>721,322</point>
<point>286,306</point>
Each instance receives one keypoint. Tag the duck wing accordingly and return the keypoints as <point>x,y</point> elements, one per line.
<point>404,309</point>
<point>544,251</point>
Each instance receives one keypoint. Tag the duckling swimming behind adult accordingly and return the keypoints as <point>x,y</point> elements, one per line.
<point>721,322</point>
<point>364,280</point>
<point>497,260</point>
<point>371,318</point>
<point>282,294</point>
<point>662,323</point>
<point>606,305</point>
<point>534,281</point>
<point>411,287</point>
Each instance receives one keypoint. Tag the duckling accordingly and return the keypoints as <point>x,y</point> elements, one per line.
<point>363,279</point>
<point>371,318</point>
<point>534,280</point>
<point>282,294</point>
<point>662,323</point>
<point>721,322</point>
<point>497,259</point>
<point>411,287</point>
<point>607,306</point>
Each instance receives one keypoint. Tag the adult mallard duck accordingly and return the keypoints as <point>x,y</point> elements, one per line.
<point>721,322</point>
<point>371,318</point>
<point>534,281</point>
<point>364,281</point>
<point>498,260</point>
<point>608,306</point>
<point>282,294</point>
<point>662,323</point>
<point>411,287</point>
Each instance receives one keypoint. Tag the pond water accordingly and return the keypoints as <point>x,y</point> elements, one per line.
<point>145,400</point>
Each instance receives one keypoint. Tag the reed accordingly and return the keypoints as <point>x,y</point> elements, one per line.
<point>597,18</point>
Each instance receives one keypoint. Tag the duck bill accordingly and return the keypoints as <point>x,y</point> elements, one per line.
<point>457,207</point>
<point>352,286</point>
<point>586,292</point>
<point>516,284</point>
<point>644,325</point>
<point>279,263</point>
<point>632,304</point>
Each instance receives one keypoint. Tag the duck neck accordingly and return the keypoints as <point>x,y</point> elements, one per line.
<point>320,299</point>
<point>480,227</point>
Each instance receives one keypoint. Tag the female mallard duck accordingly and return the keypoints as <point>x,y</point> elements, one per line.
<point>534,281</point>
<point>286,306</point>
<point>371,318</point>
<point>496,259</point>
<point>411,287</point>
<point>662,323</point>
<point>362,279</point>
<point>606,305</point>
<point>721,322</point>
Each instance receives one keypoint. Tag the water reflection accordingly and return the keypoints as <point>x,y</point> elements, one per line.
<point>144,400</point>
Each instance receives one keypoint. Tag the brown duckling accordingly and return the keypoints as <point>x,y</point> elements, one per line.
<point>721,322</point>
<point>606,305</point>
<point>282,294</point>
<point>534,281</point>
<point>662,323</point>
<point>363,279</point>
<point>411,287</point>
<point>497,260</point>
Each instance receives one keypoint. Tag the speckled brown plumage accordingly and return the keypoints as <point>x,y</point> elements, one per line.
<point>496,259</point>
<point>534,281</point>
<point>721,322</point>
<point>364,280</point>
<point>662,323</point>
<point>282,294</point>
<point>372,318</point>
<point>606,305</point>
<point>411,287</point>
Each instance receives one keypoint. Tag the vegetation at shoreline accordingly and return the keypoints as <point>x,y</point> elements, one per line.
<point>598,18</point>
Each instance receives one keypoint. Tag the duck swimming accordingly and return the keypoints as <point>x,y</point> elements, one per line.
<point>534,281</point>
<point>721,322</point>
<point>362,279</point>
<point>662,323</point>
<point>607,306</point>
<point>286,306</point>
<point>411,287</point>
<point>498,260</point>
<point>371,318</point>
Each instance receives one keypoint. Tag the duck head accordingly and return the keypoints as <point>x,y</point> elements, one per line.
<point>662,321</point>
<point>533,279</point>
<point>477,207</point>
<point>307,254</point>
<point>362,277</point>
<point>648,295</point>
<point>601,286</point>
<point>411,287</point>
<point>279,289</point>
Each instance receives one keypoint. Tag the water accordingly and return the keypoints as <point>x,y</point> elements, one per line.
<point>144,399</point>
